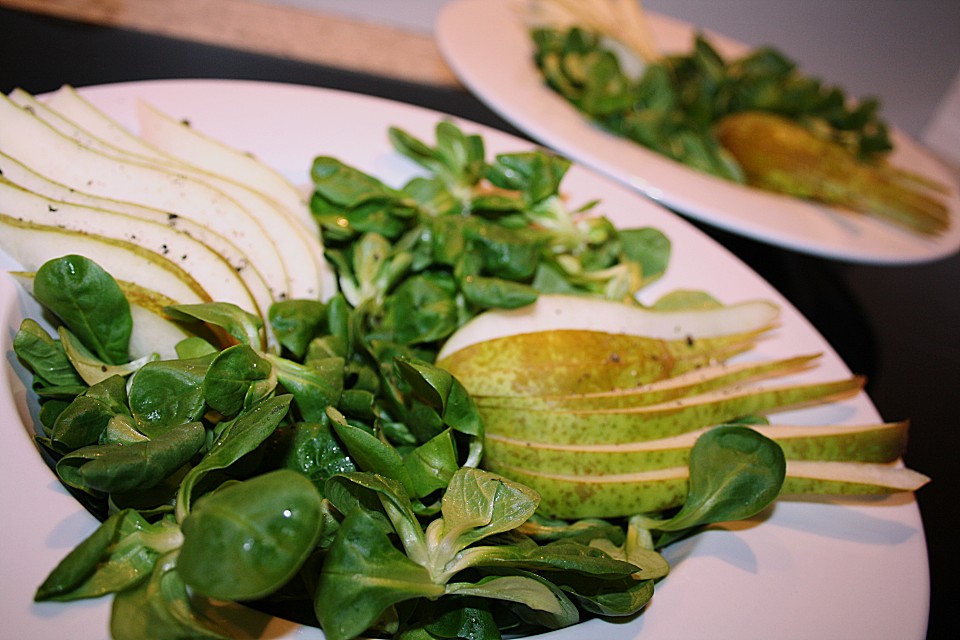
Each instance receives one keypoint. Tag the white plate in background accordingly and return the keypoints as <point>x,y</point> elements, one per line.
<point>487,45</point>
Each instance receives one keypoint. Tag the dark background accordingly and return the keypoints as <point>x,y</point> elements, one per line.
<point>897,325</point>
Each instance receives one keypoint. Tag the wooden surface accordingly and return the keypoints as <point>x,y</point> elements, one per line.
<point>264,28</point>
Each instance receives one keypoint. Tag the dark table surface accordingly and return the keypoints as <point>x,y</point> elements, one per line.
<point>897,325</point>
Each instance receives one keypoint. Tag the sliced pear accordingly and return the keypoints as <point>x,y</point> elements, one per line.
<point>698,380</point>
<point>217,278</point>
<point>85,137</point>
<point>817,477</point>
<point>573,361</point>
<point>33,244</point>
<point>294,229</point>
<point>180,140</point>
<point>620,426</point>
<point>848,443</point>
<point>575,497</point>
<point>32,181</point>
<point>154,332</point>
<point>71,106</point>
<point>554,311</point>
<point>580,346</point>
<point>35,144</point>
<point>609,496</point>
<point>566,378</point>
<point>164,138</point>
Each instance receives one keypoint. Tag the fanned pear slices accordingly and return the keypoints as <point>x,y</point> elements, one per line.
<point>208,268</point>
<point>224,227</point>
<point>596,405</point>
<point>32,244</point>
<point>58,194</point>
<point>168,143</point>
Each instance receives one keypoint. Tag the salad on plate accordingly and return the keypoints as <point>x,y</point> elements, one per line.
<point>419,410</point>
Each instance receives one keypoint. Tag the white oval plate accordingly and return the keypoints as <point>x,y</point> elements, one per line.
<point>487,45</point>
<point>824,569</point>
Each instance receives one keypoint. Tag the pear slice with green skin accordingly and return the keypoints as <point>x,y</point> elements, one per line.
<point>558,311</point>
<point>587,347</point>
<point>590,365</point>
<point>621,426</point>
<point>24,177</point>
<point>206,266</point>
<point>35,144</point>
<point>153,330</point>
<point>576,378</point>
<point>836,478</point>
<point>164,138</point>
<point>692,382</point>
<point>884,442</point>
<point>33,244</point>
<point>298,249</point>
<point>613,496</point>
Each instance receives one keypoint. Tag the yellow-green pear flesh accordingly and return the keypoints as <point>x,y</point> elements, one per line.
<point>153,330</point>
<point>22,176</point>
<point>33,244</point>
<point>612,496</point>
<point>35,144</point>
<point>621,426</point>
<point>884,442</point>
<point>553,312</point>
<point>214,275</point>
<point>699,380</point>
